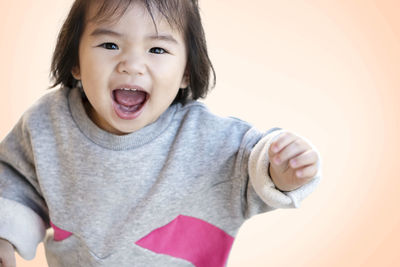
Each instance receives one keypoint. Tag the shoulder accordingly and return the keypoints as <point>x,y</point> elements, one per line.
<point>197,116</point>
<point>199,111</point>
<point>46,108</point>
<point>36,121</point>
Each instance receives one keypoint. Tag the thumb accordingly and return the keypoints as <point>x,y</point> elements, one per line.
<point>272,155</point>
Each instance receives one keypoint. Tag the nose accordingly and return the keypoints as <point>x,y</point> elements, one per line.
<point>132,64</point>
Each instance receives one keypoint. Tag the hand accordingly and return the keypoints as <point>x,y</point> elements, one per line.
<point>293,162</point>
<point>7,256</point>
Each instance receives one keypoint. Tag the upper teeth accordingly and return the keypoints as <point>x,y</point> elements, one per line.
<point>128,89</point>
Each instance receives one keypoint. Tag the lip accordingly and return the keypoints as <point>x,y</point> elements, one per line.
<point>128,115</point>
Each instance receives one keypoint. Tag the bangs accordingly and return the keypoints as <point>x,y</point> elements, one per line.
<point>173,11</point>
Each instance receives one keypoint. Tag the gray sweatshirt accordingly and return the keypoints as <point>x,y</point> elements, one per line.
<point>173,193</point>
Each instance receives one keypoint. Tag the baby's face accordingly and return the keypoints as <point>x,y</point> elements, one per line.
<point>128,55</point>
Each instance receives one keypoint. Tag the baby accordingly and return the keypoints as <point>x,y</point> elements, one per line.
<point>121,166</point>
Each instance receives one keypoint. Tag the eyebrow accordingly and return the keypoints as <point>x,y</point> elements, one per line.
<point>162,37</point>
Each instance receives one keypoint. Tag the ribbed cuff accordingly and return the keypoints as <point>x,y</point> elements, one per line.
<point>263,184</point>
<point>22,227</point>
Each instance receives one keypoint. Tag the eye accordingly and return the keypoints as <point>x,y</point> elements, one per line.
<point>158,50</point>
<point>109,46</point>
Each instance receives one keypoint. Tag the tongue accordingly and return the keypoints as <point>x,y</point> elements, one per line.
<point>129,98</point>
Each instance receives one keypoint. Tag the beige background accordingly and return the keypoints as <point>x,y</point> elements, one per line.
<point>327,70</point>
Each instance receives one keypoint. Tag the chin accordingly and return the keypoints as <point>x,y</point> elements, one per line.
<point>126,130</point>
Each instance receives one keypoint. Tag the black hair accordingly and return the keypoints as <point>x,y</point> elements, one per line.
<point>183,15</point>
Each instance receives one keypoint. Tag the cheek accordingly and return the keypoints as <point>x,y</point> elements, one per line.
<point>169,74</point>
<point>93,63</point>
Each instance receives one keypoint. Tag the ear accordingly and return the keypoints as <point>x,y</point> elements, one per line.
<point>76,73</point>
<point>185,79</point>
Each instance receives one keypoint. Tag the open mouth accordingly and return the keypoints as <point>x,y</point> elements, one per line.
<point>129,103</point>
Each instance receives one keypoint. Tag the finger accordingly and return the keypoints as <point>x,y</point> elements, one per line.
<point>307,172</point>
<point>306,158</point>
<point>282,141</point>
<point>8,261</point>
<point>292,150</point>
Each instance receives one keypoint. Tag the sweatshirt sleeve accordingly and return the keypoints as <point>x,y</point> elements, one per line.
<point>24,214</point>
<point>262,183</point>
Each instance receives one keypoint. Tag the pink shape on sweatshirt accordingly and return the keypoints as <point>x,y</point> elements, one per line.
<point>60,234</point>
<point>191,239</point>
